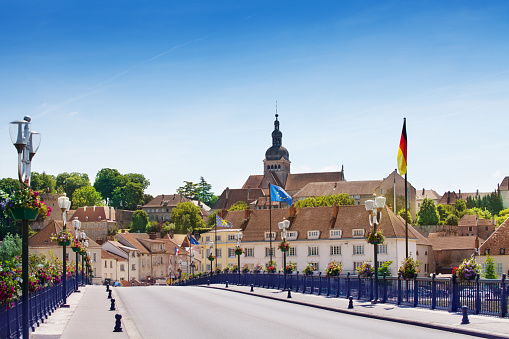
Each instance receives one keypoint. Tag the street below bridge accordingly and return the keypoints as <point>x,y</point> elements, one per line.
<point>197,312</point>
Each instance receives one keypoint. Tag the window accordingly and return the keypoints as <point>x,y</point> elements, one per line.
<point>106,264</point>
<point>122,269</point>
<point>312,250</point>
<point>292,235</point>
<point>358,249</point>
<point>470,229</point>
<point>502,251</point>
<point>218,251</point>
<point>95,257</point>
<point>218,238</point>
<point>336,233</point>
<point>292,251</point>
<point>315,265</point>
<point>382,191</point>
<point>133,267</point>
<point>357,233</point>
<point>231,237</point>
<point>335,250</point>
<point>382,248</point>
<point>93,233</point>
<point>93,224</point>
<point>207,239</point>
<point>313,234</point>
<point>249,252</point>
<point>268,251</point>
<point>356,264</point>
<point>133,254</point>
<point>499,268</point>
<point>111,263</point>
<point>486,251</point>
<point>231,252</point>
<point>268,236</point>
<point>357,197</point>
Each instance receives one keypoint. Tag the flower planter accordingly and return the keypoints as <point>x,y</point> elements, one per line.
<point>76,249</point>
<point>24,213</point>
<point>64,243</point>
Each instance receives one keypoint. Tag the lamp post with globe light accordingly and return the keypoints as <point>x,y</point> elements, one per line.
<point>238,237</point>
<point>64,203</point>
<point>283,226</point>
<point>211,246</point>
<point>27,143</point>
<point>76,224</point>
<point>374,207</point>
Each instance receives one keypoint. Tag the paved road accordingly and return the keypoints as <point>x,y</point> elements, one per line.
<point>194,312</point>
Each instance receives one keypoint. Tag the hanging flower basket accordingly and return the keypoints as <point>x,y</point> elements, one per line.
<point>271,267</point>
<point>284,246</point>
<point>290,267</point>
<point>24,213</point>
<point>375,238</point>
<point>365,270</point>
<point>64,243</point>
<point>245,268</point>
<point>409,268</point>
<point>333,269</point>
<point>63,238</point>
<point>309,269</point>
<point>239,251</point>
<point>257,269</point>
<point>468,270</point>
<point>211,257</point>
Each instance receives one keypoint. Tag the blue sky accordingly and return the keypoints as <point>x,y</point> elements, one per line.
<point>179,90</point>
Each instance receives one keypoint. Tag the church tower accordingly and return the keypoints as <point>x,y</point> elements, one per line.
<point>277,159</point>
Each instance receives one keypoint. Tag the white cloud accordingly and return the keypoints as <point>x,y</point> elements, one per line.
<point>496,174</point>
<point>73,113</point>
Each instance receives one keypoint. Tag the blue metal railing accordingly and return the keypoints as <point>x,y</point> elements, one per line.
<point>481,296</point>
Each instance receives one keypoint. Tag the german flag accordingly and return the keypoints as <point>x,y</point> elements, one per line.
<point>402,159</point>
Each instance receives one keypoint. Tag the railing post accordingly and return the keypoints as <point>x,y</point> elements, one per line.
<point>328,286</point>
<point>372,285</point>
<point>384,294</point>
<point>454,295</point>
<point>503,302</point>
<point>297,281</point>
<point>347,285</point>
<point>400,294</point>
<point>477,295</point>
<point>359,292</point>
<point>338,285</point>
<point>416,292</point>
<point>433,292</point>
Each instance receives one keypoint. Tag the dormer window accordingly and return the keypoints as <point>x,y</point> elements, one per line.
<point>292,235</point>
<point>269,234</point>
<point>502,251</point>
<point>86,218</point>
<point>358,233</point>
<point>99,218</point>
<point>313,234</point>
<point>336,234</point>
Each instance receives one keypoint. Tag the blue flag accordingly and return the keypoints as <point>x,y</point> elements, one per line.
<point>193,241</point>
<point>279,194</point>
<point>220,222</point>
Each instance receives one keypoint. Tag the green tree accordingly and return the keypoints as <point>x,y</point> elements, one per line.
<point>190,190</point>
<point>326,200</point>
<point>10,248</point>
<point>147,198</point>
<point>204,191</point>
<point>502,216</point>
<point>70,182</point>
<point>408,215</point>
<point>444,211</point>
<point>428,214</point>
<point>43,182</point>
<point>452,219</point>
<point>86,196</point>
<point>238,206</point>
<point>482,213</point>
<point>128,197</point>
<point>139,222</point>
<point>460,205</point>
<point>490,271</point>
<point>154,226</point>
<point>139,179</point>
<point>385,269</point>
<point>492,202</point>
<point>9,185</point>
<point>186,217</point>
<point>106,182</point>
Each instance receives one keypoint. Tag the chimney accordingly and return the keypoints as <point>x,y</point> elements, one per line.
<point>172,234</point>
<point>222,213</point>
<point>292,211</point>
<point>93,209</point>
<point>84,208</point>
<point>335,209</point>
<point>247,212</point>
<point>248,193</point>
<point>99,241</point>
<point>459,194</point>
<point>477,192</point>
<point>152,236</point>
<point>448,197</point>
<point>180,197</point>
<point>163,197</point>
<point>476,243</point>
<point>423,191</point>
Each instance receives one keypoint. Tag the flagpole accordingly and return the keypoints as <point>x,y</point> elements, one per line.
<point>215,244</point>
<point>406,217</point>
<point>270,223</point>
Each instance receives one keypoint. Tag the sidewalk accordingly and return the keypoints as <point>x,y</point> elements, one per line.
<point>480,325</point>
<point>91,319</point>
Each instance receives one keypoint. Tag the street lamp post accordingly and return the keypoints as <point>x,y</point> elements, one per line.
<point>64,203</point>
<point>88,255</point>
<point>82,239</point>
<point>180,270</point>
<point>76,224</point>
<point>374,207</point>
<point>211,246</point>
<point>238,236</point>
<point>283,225</point>
<point>27,143</point>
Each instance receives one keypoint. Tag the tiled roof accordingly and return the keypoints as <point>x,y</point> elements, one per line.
<point>498,239</point>
<point>452,243</point>
<point>471,220</point>
<point>316,189</point>
<point>254,181</point>
<point>109,255</point>
<point>43,237</point>
<point>167,200</point>
<point>296,182</point>
<point>105,213</point>
<point>322,219</point>
<point>235,195</point>
<point>504,185</point>
<point>453,196</point>
<point>132,240</point>
<point>430,194</point>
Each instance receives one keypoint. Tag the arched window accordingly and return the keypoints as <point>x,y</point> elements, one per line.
<point>278,166</point>
<point>268,166</point>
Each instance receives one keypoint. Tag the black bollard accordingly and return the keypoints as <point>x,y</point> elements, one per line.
<point>252,288</point>
<point>112,306</point>
<point>289,294</point>
<point>107,288</point>
<point>208,282</point>
<point>350,302</point>
<point>118,324</point>
<point>226,283</point>
<point>465,320</point>
<point>109,294</point>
